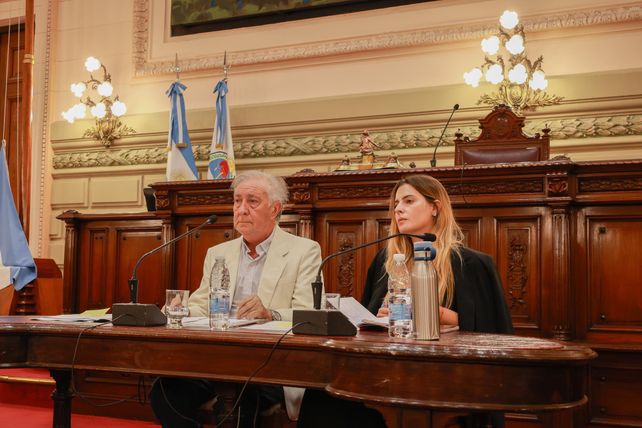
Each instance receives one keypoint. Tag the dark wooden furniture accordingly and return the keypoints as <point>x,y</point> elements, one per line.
<point>563,235</point>
<point>461,371</point>
<point>501,141</point>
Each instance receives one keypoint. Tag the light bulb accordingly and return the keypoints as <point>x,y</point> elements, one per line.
<point>99,110</point>
<point>105,89</point>
<point>472,77</point>
<point>78,88</point>
<point>490,45</point>
<point>509,19</point>
<point>118,108</point>
<point>515,45</point>
<point>518,74</point>
<point>92,64</point>
<point>538,81</point>
<point>494,74</point>
<point>79,110</point>
<point>69,115</point>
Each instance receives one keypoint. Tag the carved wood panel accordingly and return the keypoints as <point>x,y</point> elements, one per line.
<point>518,263</point>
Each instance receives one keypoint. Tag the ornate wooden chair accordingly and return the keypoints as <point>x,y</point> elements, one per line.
<point>501,141</point>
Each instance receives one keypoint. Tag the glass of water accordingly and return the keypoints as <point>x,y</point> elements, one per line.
<point>332,300</point>
<point>176,307</point>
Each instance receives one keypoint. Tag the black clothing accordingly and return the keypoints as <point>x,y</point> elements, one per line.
<point>479,296</point>
<point>481,307</point>
<point>176,402</point>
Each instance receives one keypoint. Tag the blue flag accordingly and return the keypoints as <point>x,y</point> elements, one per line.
<point>180,158</point>
<point>16,263</point>
<point>221,165</point>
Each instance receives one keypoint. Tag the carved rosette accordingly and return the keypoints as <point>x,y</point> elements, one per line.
<point>162,199</point>
<point>517,271</point>
<point>300,193</point>
<point>558,186</point>
<point>346,264</point>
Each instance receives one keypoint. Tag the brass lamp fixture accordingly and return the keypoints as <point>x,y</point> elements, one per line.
<point>521,82</point>
<point>106,108</point>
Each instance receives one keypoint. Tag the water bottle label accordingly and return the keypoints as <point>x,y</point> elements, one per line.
<point>220,305</point>
<point>399,311</point>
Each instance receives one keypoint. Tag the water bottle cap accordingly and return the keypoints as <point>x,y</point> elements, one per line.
<point>424,251</point>
<point>399,258</point>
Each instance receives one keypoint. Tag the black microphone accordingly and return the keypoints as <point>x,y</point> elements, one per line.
<point>433,161</point>
<point>138,314</point>
<point>335,323</point>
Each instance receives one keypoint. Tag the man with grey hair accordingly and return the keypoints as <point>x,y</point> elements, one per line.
<point>270,274</point>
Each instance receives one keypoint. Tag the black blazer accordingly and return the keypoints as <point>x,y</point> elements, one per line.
<point>479,297</point>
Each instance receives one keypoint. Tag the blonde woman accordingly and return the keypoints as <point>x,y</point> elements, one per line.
<point>470,290</point>
<point>469,287</point>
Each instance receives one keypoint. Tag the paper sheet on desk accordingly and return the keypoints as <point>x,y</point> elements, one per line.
<point>75,318</point>
<point>204,322</point>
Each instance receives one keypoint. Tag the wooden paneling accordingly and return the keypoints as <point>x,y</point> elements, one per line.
<point>563,235</point>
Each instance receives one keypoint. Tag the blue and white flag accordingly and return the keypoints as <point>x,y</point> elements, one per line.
<point>221,164</point>
<point>180,158</point>
<point>16,263</point>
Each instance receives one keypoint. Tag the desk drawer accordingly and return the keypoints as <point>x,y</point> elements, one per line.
<point>616,396</point>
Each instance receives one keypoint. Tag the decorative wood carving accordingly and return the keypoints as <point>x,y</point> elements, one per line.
<point>517,270</point>
<point>218,198</point>
<point>346,264</point>
<point>610,184</point>
<point>352,192</point>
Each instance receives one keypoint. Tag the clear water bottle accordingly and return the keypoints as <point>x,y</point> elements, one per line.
<point>219,301</point>
<point>425,291</point>
<point>400,299</point>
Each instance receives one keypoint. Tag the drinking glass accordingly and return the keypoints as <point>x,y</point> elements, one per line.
<point>332,300</point>
<point>176,307</point>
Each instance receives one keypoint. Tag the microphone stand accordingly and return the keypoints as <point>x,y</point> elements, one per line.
<point>333,322</point>
<point>140,314</point>
<point>433,161</point>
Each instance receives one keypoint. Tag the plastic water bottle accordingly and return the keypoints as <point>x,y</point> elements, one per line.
<point>400,303</point>
<point>219,301</point>
<point>425,291</point>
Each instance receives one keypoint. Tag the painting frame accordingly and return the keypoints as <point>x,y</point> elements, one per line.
<point>182,27</point>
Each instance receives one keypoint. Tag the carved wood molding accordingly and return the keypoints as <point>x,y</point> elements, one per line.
<point>516,186</point>
<point>517,275</point>
<point>346,268</point>
<point>144,66</point>
<point>351,192</point>
<point>395,139</point>
<point>205,198</point>
<point>610,184</point>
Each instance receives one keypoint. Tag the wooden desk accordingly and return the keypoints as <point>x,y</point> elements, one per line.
<point>461,371</point>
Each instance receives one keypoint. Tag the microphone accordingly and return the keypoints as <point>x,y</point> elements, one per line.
<point>138,314</point>
<point>335,323</point>
<point>433,161</point>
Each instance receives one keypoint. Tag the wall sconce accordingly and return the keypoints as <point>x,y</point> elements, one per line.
<point>107,110</point>
<point>521,82</point>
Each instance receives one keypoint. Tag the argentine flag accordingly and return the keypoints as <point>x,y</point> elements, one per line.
<point>221,165</point>
<point>180,158</point>
<point>16,263</point>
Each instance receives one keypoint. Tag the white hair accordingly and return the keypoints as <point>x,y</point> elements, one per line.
<point>275,187</point>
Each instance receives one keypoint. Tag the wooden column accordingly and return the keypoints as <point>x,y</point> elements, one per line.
<point>70,277</point>
<point>25,119</point>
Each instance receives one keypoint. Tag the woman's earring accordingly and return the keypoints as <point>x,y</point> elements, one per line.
<point>434,214</point>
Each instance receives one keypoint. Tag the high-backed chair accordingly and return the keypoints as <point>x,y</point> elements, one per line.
<point>501,141</point>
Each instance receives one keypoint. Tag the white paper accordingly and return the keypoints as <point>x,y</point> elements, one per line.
<point>74,318</point>
<point>355,311</point>
<point>204,322</point>
<point>271,326</point>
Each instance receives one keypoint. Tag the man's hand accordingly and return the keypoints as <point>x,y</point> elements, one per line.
<point>383,312</point>
<point>252,308</point>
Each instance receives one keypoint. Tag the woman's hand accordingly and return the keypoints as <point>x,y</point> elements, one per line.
<point>447,316</point>
<point>383,312</point>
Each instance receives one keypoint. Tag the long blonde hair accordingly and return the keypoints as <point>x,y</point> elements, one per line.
<point>449,235</point>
